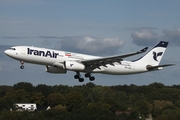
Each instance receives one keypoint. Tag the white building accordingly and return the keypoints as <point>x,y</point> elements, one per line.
<point>25,106</point>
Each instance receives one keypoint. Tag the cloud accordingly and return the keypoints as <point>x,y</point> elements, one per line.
<point>12,37</point>
<point>145,36</point>
<point>137,29</point>
<point>172,36</point>
<point>88,45</point>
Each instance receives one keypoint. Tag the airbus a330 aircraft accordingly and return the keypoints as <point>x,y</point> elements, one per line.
<point>61,61</point>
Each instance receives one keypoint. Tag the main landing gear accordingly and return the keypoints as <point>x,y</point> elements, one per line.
<point>78,76</point>
<point>87,75</point>
<point>22,64</point>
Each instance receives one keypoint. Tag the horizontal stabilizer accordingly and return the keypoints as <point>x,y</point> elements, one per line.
<point>159,67</point>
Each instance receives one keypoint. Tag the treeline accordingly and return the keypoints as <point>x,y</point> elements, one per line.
<point>90,101</point>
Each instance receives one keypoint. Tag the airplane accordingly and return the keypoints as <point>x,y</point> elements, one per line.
<point>59,62</point>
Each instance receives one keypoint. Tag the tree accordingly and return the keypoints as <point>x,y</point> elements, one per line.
<point>63,89</point>
<point>157,85</point>
<point>159,106</point>
<point>19,96</point>
<point>143,107</point>
<point>55,99</point>
<point>90,85</point>
<point>46,90</point>
<point>98,93</point>
<point>74,100</point>
<point>6,103</point>
<point>99,108</point>
<point>37,97</point>
<point>4,90</point>
<point>28,87</point>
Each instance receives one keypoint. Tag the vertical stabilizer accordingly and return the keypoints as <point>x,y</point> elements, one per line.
<point>154,56</point>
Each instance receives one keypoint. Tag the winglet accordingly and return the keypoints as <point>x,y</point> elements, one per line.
<point>144,49</point>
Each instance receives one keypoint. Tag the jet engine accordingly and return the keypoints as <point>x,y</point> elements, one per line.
<point>73,65</point>
<point>51,69</point>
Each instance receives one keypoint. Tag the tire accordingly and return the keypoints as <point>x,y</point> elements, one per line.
<point>76,76</point>
<point>22,67</point>
<point>92,78</point>
<point>81,80</point>
<point>87,75</point>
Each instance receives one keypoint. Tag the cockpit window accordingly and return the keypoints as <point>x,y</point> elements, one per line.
<point>12,48</point>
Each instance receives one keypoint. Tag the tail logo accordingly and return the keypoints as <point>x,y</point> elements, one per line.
<point>155,55</point>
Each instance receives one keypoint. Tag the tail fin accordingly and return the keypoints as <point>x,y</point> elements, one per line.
<point>154,56</point>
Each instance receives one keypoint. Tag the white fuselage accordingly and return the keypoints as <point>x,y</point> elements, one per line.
<point>49,57</point>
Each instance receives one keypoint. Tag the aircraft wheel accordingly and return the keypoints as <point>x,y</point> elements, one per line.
<point>77,77</point>
<point>22,67</point>
<point>81,79</point>
<point>87,75</point>
<point>92,78</point>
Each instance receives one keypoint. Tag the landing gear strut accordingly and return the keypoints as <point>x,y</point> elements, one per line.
<point>22,64</point>
<point>78,76</point>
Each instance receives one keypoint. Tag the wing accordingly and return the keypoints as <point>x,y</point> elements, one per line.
<point>95,63</point>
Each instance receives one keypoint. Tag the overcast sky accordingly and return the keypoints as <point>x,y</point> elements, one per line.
<point>97,27</point>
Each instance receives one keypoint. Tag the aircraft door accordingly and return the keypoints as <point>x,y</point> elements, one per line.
<point>23,51</point>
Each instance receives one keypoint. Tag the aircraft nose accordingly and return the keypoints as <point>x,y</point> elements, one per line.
<point>6,52</point>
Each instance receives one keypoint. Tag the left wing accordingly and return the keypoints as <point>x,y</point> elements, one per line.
<point>95,63</point>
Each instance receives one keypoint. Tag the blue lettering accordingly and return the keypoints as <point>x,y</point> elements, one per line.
<point>50,54</point>
<point>41,53</point>
<point>31,51</point>
<point>28,51</point>
<point>35,52</point>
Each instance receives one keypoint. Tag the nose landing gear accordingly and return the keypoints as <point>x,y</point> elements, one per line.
<point>22,64</point>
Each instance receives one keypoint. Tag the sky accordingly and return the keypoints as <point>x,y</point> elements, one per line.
<point>103,28</point>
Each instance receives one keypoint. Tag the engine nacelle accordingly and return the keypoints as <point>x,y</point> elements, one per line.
<point>51,69</point>
<point>73,65</point>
